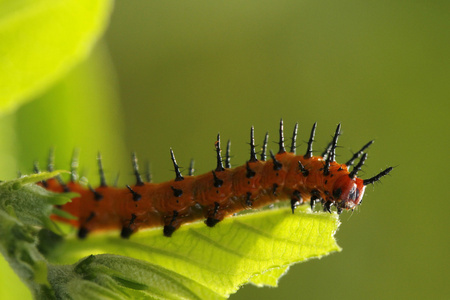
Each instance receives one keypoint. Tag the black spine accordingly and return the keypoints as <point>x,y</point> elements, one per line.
<point>74,165</point>
<point>134,162</point>
<point>309,151</point>
<point>332,153</point>
<point>281,142</point>
<point>294,139</point>
<point>377,177</point>
<point>178,176</point>
<point>51,160</point>
<point>100,170</point>
<point>148,173</point>
<point>116,180</point>
<point>228,155</point>
<point>253,157</point>
<point>358,154</point>
<point>357,168</point>
<point>36,168</point>
<point>264,147</point>
<point>191,168</point>
<point>219,167</point>
<point>327,150</point>
<point>37,171</point>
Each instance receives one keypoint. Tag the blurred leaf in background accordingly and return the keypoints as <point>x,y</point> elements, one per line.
<point>40,42</point>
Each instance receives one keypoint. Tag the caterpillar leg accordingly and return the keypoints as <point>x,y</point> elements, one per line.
<point>84,227</point>
<point>213,217</point>
<point>296,200</point>
<point>172,223</point>
<point>129,228</point>
<point>327,206</point>
<point>82,232</point>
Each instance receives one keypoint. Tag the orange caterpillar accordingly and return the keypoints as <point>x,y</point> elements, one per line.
<point>221,192</point>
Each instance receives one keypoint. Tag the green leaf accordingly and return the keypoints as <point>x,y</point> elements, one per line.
<point>40,40</point>
<point>118,277</point>
<point>24,180</point>
<point>29,203</point>
<point>255,247</point>
<point>24,208</point>
<point>269,278</point>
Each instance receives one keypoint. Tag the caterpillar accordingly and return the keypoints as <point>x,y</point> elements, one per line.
<point>221,192</point>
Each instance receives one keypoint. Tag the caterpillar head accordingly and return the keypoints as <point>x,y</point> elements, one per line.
<point>349,190</point>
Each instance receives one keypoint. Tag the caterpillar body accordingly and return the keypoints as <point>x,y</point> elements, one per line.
<point>221,192</point>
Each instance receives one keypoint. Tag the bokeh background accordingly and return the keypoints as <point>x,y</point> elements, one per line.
<point>173,74</point>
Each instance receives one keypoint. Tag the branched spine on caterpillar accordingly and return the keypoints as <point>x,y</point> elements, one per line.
<point>221,192</point>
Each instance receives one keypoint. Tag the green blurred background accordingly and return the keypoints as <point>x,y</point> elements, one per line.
<point>187,70</point>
